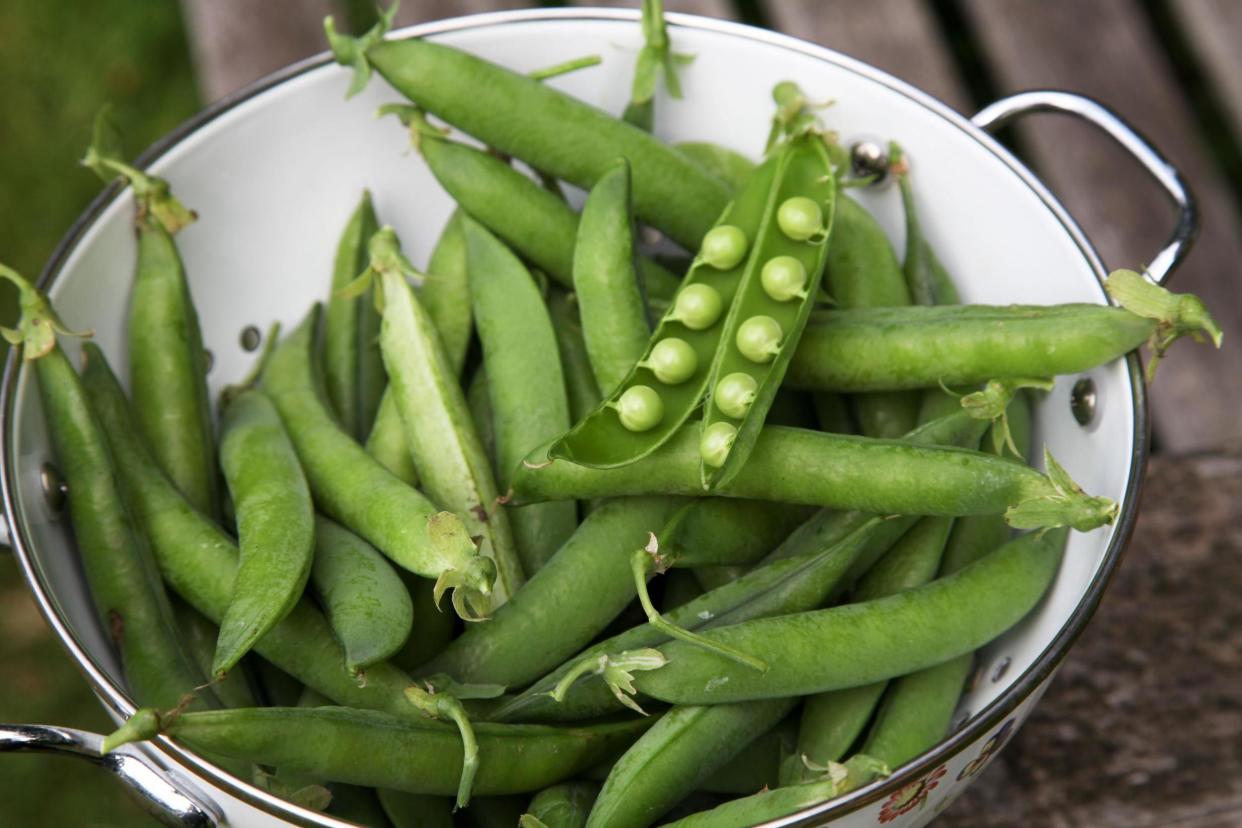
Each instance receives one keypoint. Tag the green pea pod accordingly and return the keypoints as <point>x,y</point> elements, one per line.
<point>863,272</point>
<point>758,766</point>
<point>275,524</point>
<point>434,629</point>
<point>580,384</point>
<point>725,164</point>
<point>921,347</point>
<point>564,605</point>
<point>453,468</point>
<point>367,747</point>
<point>199,635</point>
<point>601,439</point>
<point>364,599</point>
<point>832,721</point>
<point>926,277</point>
<point>167,362</point>
<point>680,750</point>
<point>407,810</point>
<point>885,638</point>
<point>344,348</point>
<point>116,558</point>
<point>841,472</point>
<point>356,491</point>
<point>525,386</point>
<point>770,310</point>
<point>561,135</point>
<point>791,584</point>
<point>614,319</point>
<point>386,442</point>
<point>765,806</point>
<point>561,806</point>
<point>539,225</point>
<point>199,562</point>
<point>478,400</point>
<point>735,531</point>
<point>445,292</point>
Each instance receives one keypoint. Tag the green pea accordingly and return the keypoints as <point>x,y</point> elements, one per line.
<point>724,247</point>
<point>784,279</point>
<point>759,338</point>
<point>698,306</point>
<point>673,361</point>
<point>640,408</point>
<point>800,218</point>
<point>735,393</point>
<point>716,443</point>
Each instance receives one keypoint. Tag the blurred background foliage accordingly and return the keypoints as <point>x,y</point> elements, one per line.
<point>58,65</point>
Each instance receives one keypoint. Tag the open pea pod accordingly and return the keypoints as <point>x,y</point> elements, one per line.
<point>771,308</point>
<point>675,373</point>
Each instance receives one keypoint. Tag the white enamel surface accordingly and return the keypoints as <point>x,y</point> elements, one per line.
<point>275,178</point>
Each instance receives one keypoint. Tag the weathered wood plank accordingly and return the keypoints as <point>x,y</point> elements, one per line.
<point>899,36</point>
<point>1107,50</point>
<point>722,9</point>
<point>235,42</point>
<point>1142,726</point>
<point>1215,30</point>
<point>424,10</point>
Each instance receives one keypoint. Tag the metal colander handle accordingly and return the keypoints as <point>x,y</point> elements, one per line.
<point>152,788</point>
<point>996,115</point>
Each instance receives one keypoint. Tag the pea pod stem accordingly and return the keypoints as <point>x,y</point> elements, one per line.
<point>444,706</point>
<point>646,562</point>
<point>617,671</point>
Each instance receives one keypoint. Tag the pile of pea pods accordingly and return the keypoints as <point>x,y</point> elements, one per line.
<point>561,533</point>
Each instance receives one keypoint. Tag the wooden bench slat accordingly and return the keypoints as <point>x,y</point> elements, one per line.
<point>1107,50</point>
<point>1215,31</point>
<point>235,42</point>
<point>899,36</point>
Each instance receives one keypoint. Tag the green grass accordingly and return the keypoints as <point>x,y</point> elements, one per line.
<point>58,64</point>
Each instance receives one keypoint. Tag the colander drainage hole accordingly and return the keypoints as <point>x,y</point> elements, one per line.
<point>251,338</point>
<point>1001,669</point>
<point>1083,400</point>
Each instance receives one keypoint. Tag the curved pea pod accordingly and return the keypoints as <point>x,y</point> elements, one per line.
<point>917,711</point>
<point>199,562</point>
<point>538,224</point>
<point>794,465</point>
<point>367,747</point>
<point>580,384</point>
<point>352,488</point>
<point>275,524</point>
<point>769,311</point>
<point>920,347</point>
<point>365,601</point>
<point>614,318</point>
<point>560,134</point>
<point>727,165</point>
<point>116,558</point>
<point>445,292</point>
<point>525,386</point>
<point>863,272</point>
<point>782,585</point>
<point>453,468</point>
<point>564,605</point>
<point>856,644</point>
<point>167,363</point>
<point>561,806</point>
<point>344,346</point>
<point>928,280</point>
<point>386,442</point>
<point>616,434</point>
<point>680,750</point>
<point>762,807</point>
